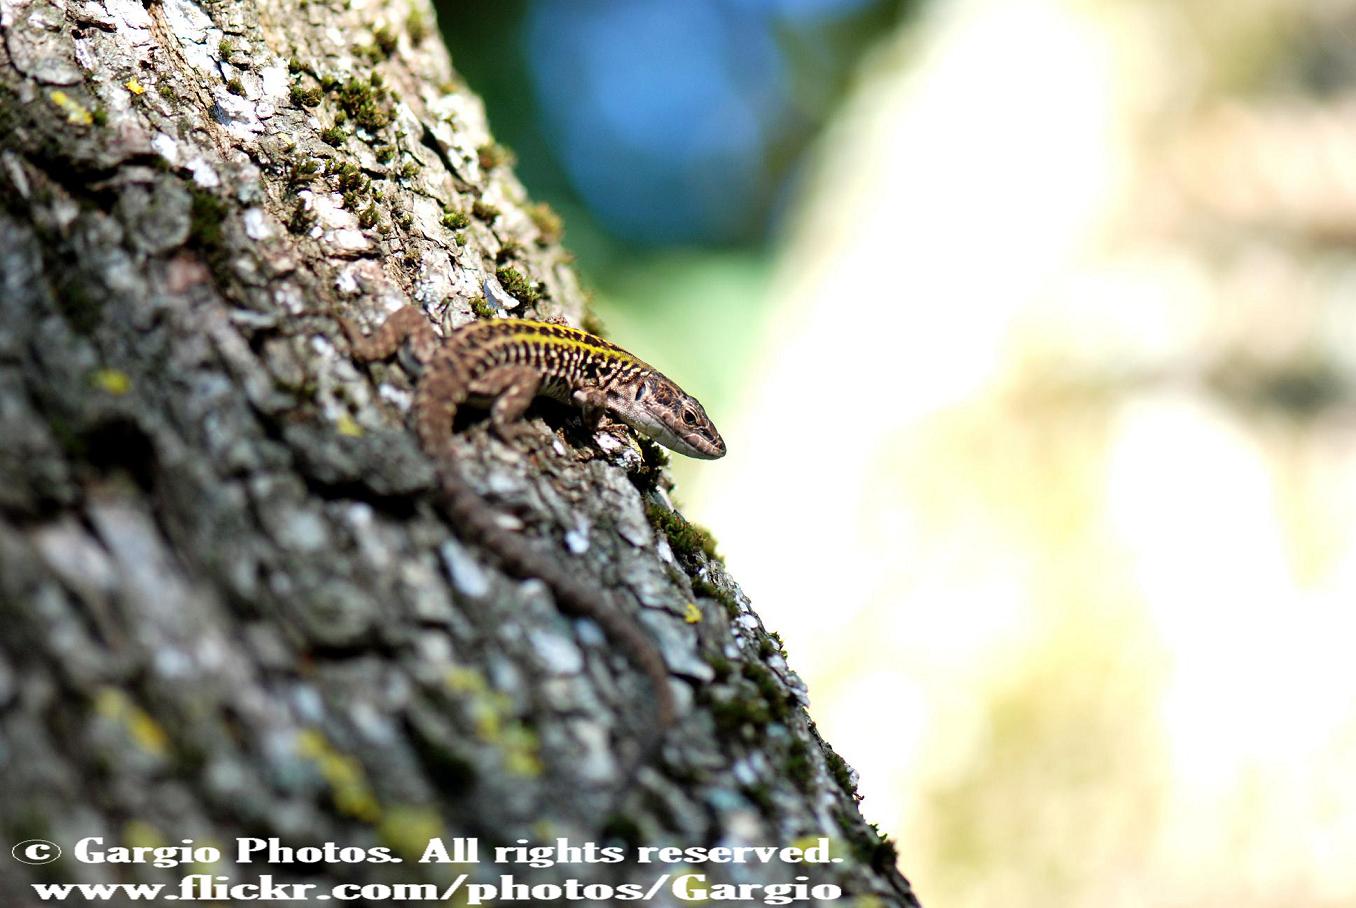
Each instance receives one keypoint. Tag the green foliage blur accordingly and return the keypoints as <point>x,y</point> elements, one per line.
<point>668,136</point>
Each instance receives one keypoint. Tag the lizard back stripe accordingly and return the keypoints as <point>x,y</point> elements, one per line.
<point>557,350</point>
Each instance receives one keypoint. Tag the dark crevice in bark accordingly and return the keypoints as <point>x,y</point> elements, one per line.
<point>430,141</point>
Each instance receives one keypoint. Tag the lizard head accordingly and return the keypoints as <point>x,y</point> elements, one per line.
<point>660,410</point>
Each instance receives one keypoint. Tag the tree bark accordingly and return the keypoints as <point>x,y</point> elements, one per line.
<point>231,605</point>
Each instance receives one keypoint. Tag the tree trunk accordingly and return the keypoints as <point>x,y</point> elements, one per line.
<point>232,605</point>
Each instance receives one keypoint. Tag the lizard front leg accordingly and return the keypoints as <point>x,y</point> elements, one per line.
<point>593,404</point>
<point>512,389</point>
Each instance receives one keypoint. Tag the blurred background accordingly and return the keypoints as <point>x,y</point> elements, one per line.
<point>1031,326</point>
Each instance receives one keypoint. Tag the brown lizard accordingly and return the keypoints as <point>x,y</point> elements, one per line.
<point>505,363</point>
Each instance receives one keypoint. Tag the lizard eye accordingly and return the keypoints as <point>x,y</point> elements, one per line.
<point>689,417</point>
<point>641,390</point>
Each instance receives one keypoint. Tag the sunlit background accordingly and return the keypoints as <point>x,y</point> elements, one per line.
<point>1031,325</point>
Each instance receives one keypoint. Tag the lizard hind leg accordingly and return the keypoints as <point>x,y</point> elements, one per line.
<point>407,322</point>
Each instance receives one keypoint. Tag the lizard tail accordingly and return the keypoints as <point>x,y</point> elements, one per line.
<point>439,392</point>
<point>475,519</point>
<point>469,512</point>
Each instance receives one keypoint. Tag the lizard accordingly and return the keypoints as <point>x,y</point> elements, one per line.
<point>505,363</point>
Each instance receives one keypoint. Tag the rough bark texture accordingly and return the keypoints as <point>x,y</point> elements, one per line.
<point>229,602</point>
